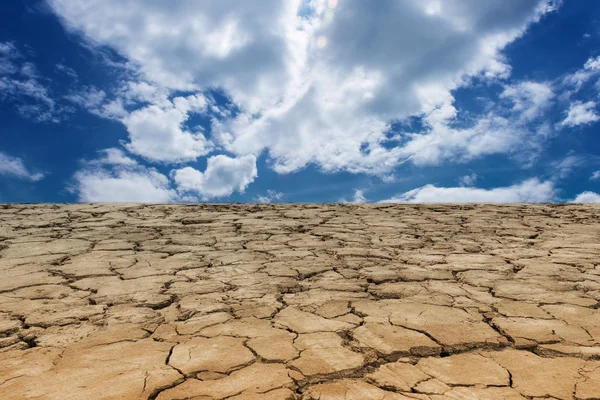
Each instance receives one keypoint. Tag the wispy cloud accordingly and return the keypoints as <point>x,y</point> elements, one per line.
<point>14,167</point>
<point>21,85</point>
<point>270,197</point>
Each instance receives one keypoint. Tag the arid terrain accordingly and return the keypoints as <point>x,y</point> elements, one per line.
<point>274,302</point>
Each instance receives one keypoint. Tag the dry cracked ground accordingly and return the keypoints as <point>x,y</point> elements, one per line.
<point>306,302</point>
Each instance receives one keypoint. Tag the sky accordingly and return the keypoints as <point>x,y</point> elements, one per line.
<point>300,101</point>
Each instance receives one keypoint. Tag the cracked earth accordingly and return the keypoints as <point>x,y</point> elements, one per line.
<point>275,302</point>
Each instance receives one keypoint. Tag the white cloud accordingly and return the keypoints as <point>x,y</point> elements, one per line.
<point>595,176</point>
<point>271,196</point>
<point>490,134</point>
<point>529,191</point>
<point>223,176</point>
<point>564,167</point>
<point>63,69</point>
<point>190,45</point>
<point>304,103</point>
<point>9,55</point>
<point>122,184</point>
<point>112,110</point>
<point>577,79</point>
<point>145,92</point>
<point>468,180</point>
<point>157,133</point>
<point>587,197</point>
<point>88,97</point>
<point>530,99</point>
<point>358,197</point>
<point>581,114</point>
<point>114,156</point>
<point>20,84</point>
<point>14,166</point>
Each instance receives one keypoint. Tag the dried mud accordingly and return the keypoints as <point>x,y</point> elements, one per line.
<point>275,302</point>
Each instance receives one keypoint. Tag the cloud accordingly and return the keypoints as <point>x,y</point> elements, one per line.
<point>115,156</point>
<point>357,198</point>
<point>314,81</point>
<point>122,184</point>
<point>114,177</point>
<point>271,196</point>
<point>223,176</point>
<point>581,114</point>
<point>491,133</point>
<point>529,191</point>
<point>530,99</point>
<point>191,45</point>
<point>14,166</point>
<point>563,168</point>
<point>595,176</point>
<point>576,80</point>
<point>587,197</point>
<point>20,84</point>
<point>9,55</point>
<point>468,180</point>
<point>68,71</point>
<point>157,133</point>
<point>88,97</point>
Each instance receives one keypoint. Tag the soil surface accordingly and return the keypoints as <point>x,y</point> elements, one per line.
<point>275,302</point>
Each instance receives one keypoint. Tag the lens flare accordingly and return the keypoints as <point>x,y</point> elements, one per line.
<point>321,42</point>
<point>332,3</point>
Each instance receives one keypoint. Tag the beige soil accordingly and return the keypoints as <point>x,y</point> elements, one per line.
<point>328,302</point>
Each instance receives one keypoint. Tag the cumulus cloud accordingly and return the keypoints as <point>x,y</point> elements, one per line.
<point>115,177</point>
<point>314,81</point>
<point>595,176</point>
<point>157,133</point>
<point>270,197</point>
<point>14,166</point>
<point>122,184</point>
<point>351,91</point>
<point>529,191</point>
<point>581,114</point>
<point>223,176</point>
<point>190,45</point>
<point>587,197</point>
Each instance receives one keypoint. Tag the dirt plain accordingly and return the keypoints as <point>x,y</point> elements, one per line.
<point>274,302</point>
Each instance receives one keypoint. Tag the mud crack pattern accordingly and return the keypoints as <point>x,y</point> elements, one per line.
<point>275,302</point>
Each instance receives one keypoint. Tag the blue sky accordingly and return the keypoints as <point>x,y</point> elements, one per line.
<point>300,101</point>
